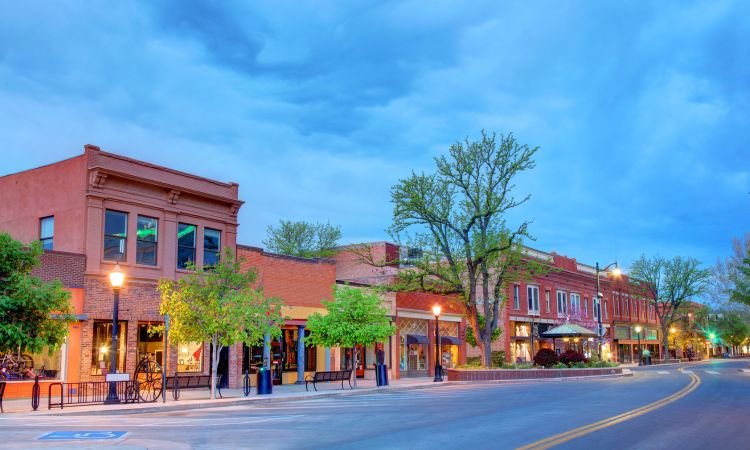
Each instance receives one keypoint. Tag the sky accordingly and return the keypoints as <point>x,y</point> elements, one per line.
<point>640,110</point>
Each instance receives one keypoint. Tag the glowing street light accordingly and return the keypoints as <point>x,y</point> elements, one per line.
<point>438,366</point>
<point>638,329</point>
<point>116,279</point>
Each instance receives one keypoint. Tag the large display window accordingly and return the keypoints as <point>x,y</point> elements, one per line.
<point>150,345</point>
<point>190,357</point>
<point>101,346</point>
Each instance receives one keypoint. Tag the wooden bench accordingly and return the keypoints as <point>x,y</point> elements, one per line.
<point>178,382</point>
<point>337,375</point>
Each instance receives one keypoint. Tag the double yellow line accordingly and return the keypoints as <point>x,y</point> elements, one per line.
<point>558,439</point>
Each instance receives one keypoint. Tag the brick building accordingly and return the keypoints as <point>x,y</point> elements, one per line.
<point>99,209</point>
<point>412,349</point>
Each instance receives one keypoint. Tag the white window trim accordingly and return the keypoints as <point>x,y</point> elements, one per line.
<point>564,303</point>
<point>534,300</point>
<point>517,296</point>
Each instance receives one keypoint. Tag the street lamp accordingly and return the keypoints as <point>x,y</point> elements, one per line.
<point>640,353</point>
<point>116,279</point>
<point>598,307</point>
<point>438,365</point>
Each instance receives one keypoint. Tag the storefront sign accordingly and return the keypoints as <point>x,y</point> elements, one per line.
<point>117,377</point>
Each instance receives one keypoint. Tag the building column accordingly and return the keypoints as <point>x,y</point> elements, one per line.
<point>300,354</point>
<point>328,359</point>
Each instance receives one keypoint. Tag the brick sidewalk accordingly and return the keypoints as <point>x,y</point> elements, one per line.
<point>200,398</point>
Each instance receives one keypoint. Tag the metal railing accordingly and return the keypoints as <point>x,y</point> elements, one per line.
<point>89,393</point>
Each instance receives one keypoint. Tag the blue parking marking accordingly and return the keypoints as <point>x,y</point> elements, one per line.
<point>82,435</point>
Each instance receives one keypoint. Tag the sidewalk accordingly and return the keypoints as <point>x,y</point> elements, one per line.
<point>200,398</point>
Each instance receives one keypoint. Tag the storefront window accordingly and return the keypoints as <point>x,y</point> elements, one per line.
<point>47,364</point>
<point>417,357</point>
<point>150,345</point>
<point>190,357</point>
<point>101,346</point>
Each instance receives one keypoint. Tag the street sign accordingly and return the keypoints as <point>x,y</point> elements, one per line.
<point>82,435</point>
<point>117,377</point>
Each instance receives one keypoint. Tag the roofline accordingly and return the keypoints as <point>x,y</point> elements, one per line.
<point>42,166</point>
<point>290,257</point>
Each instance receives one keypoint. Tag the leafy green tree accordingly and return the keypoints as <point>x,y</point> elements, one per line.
<point>303,239</point>
<point>740,277</point>
<point>458,215</point>
<point>733,329</point>
<point>354,317</point>
<point>221,305</point>
<point>33,314</point>
<point>667,284</point>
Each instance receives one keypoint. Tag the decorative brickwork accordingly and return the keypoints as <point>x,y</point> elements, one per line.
<point>63,266</point>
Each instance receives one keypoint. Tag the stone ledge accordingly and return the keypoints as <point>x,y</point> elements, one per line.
<point>527,374</point>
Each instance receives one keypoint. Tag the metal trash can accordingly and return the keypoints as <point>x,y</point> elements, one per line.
<point>265,384</point>
<point>381,375</point>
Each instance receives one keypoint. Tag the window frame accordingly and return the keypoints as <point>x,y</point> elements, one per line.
<point>51,237</point>
<point>547,300</point>
<point>194,247</point>
<point>517,296</point>
<point>575,307</point>
<point>562,295</point>
<point>217,252</point>
<point>155,242</point>
<point>532,300</point>
<point>124,239</point>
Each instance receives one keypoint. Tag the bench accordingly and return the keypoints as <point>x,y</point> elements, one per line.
<point>178,382</point>
<point>337,375</point>
<point>2,392</point>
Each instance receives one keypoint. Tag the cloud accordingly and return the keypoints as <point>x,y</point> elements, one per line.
<point>317,108</point>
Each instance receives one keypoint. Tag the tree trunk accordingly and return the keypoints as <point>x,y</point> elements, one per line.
<point>486,347</point>
<point>354,366</point>
<point>214,365</point>
<point>665,340</point>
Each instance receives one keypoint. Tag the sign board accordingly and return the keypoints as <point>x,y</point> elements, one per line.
<point>117,377</point>
<point>82,435</point>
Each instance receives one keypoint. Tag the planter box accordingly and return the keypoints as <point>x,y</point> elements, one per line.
<point>526,374</point>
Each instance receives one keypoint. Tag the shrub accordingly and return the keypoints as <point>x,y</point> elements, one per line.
<point>570,357</point>
<point>546,357</point>
<point>474,361</point>
<point>497,358</point>
<point>580,365</point>
<point>560,366</point>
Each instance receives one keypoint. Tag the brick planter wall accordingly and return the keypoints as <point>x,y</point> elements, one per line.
<point>524,374</point>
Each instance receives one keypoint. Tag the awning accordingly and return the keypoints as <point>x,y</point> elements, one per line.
<point>416,339</point>
<point>449,340</point>
<point>569,330</point>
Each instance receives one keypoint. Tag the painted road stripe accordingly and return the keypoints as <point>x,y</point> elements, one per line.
<point>662,372</point>
<point>587,429</point>
<point>745,370</point>
<point>712,372</point>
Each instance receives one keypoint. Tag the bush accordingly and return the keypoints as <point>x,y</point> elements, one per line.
<point>580,365</point>
<point>571,357</point>
<point>546,357</point>
<point>497,358</point>
<point>474,361</point>
<point>560,366</point>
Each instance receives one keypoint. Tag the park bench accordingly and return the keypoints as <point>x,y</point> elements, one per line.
<point>336,375</point>
<point>179,382</point>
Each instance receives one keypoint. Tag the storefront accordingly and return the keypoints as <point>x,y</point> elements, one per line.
<point>284,356</point>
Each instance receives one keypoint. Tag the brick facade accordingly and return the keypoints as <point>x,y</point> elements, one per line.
<point>63,266</point>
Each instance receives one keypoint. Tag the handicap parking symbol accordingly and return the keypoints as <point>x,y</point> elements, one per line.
<point>82,435</point>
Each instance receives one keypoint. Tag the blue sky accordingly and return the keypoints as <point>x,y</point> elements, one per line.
<point>640,110</point>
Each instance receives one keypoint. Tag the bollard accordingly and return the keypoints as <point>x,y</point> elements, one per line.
<point>35,394</point>
<point>246,383</point>
<point>175,389</point>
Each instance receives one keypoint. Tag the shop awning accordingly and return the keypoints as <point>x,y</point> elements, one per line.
<point>416,339</point>
<point>568,330</point>
<point>449,340</point>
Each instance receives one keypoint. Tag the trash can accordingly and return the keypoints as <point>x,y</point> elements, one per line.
<point>381,375</point>
<point>265,384</point>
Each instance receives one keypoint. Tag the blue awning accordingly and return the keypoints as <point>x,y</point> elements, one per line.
<point>416,339</point>
<point>449,340</point>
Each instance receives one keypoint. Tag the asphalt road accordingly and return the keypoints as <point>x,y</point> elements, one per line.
<point>702,407</point>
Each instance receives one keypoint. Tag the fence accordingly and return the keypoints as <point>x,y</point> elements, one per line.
<point>90,392</point>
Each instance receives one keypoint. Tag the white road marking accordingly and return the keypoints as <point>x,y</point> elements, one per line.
<point>745,370</point>
<point>662,372</point>
<point>712,372</point>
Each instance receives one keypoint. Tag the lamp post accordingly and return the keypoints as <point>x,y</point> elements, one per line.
<point>116,279</point>
<point>438,365</point>
<point>598,307</point>
<point>640,359</point>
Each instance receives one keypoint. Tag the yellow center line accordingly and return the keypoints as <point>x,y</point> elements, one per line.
<point>558,439</point>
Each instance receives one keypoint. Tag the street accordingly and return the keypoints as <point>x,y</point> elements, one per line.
<point>707,410</point>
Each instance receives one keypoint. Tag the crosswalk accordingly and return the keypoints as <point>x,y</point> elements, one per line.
<point>699,371</point>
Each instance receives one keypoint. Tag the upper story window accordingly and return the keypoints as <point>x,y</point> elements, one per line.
<point>185,244</point>
<point>575,303</point>
<point>585,306</point>
<point>115,235</point>
<point>546,301</point>
<point>562,303</point>
<point>605,310</point>
<point>516,296</point>
<point>211,246</point>
<point>147,235</point>
<point>533,297</point>
<point>47,231</point>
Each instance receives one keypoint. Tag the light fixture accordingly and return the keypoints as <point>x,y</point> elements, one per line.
<point>616,271</point>
<point>436,310</point>
<point>117,277</point>
<point>638,328</point>
<point>103,349</point>
<point>672,330</point>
